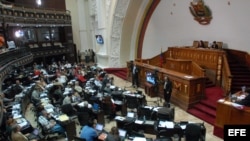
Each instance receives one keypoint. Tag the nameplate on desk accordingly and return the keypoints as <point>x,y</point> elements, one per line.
<point>63,117</point>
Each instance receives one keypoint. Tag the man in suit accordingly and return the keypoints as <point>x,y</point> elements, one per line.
<point>135,75</point>
<point>215,45</point>
<point>246,100</point>
<point>167,86</point>
<point>201,44</point>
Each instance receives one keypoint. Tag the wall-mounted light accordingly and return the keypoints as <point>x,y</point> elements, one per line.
<point>39,2</point>
<point>19,33</point>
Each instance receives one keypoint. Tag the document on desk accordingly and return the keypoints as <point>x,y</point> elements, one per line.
<point>119,118</point>
<point>16,116</point>
<point>139,139</point>
<point>81,104</point>
<point>149,122</point>
<point>156,108</point>
<point>148,107</point>
<point>167,124</point>
<point>16,106</point>
<point>63,117</point>
<point>49,110</point>
<point>183,126</point>
<point>139,121</point>
<point>23,123</point>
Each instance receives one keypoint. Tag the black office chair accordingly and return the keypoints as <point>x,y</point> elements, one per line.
<point>47,134</point>
<point>108,107</point>
<point>129,127</point>
<point>136,134</point>
<point>193,132</point>
<point>83,118</point>
<point>132,102</point>
<point>163,135</point>
<point>68,110</point>
<point>144,112</point>
<point>166,114</point>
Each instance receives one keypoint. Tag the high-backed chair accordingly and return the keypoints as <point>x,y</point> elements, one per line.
<point>196,43</point>
<point>144,112</point>
<point>132,102</point>
<point>69,111</point>
<point>193,132</point>
<point>83,118</point>
<point>162,135</point>
<point>108,107</point>
<point>220,44</point>
<point>47,134</point>
<point>165,113</point>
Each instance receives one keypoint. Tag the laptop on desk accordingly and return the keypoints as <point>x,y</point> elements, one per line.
<point>130,116</point>
<point>122,133</point>
<point>99,128</point>
<point>34,134</point>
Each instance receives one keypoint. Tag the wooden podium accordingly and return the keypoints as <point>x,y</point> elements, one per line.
<point>149,89</point>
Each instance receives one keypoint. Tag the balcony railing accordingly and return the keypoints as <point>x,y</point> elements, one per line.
<point>21,15</point>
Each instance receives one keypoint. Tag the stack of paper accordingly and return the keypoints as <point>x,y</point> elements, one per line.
<point>63,117</point>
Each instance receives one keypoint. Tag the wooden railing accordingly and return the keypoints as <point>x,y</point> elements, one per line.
<point>226,76</point>
<point>187,89</point>
<point>242,56</point>
<point>208,59</point>
<point>197,70</point>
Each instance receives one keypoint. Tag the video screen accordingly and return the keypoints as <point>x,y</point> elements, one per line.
<point>150,78</point>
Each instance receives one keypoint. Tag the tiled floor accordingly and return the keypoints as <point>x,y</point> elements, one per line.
<point>180,115</point>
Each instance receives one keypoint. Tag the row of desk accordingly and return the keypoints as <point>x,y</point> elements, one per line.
<point>154,126</point>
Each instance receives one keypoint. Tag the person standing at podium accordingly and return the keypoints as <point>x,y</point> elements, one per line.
<point>135,75</point>
<point>167,87</point>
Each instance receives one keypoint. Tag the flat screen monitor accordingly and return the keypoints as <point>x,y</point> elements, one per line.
<point>150,78</point>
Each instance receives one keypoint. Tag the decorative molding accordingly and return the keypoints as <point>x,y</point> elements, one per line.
<point>93,8</point>
<point>120,11</point>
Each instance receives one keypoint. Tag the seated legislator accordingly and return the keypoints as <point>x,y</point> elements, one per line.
<point>214,45</point>
<point>35,95</point>
<point>67,99</point>
<point>201,44</point>
<point>50,124</point>
<point>88,131</point>
<point>17,135</point>
<point>113,135</point>
<point>246,100</point>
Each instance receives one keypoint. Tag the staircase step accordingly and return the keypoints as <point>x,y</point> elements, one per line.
<point>203,116</point>
<point>206,109</point>
<point>209,103</point>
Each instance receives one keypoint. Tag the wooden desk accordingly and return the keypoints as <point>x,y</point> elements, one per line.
<point>187,89</point>
<point>227,114</point>
<point>149,90</point>
<point>70,128</point>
